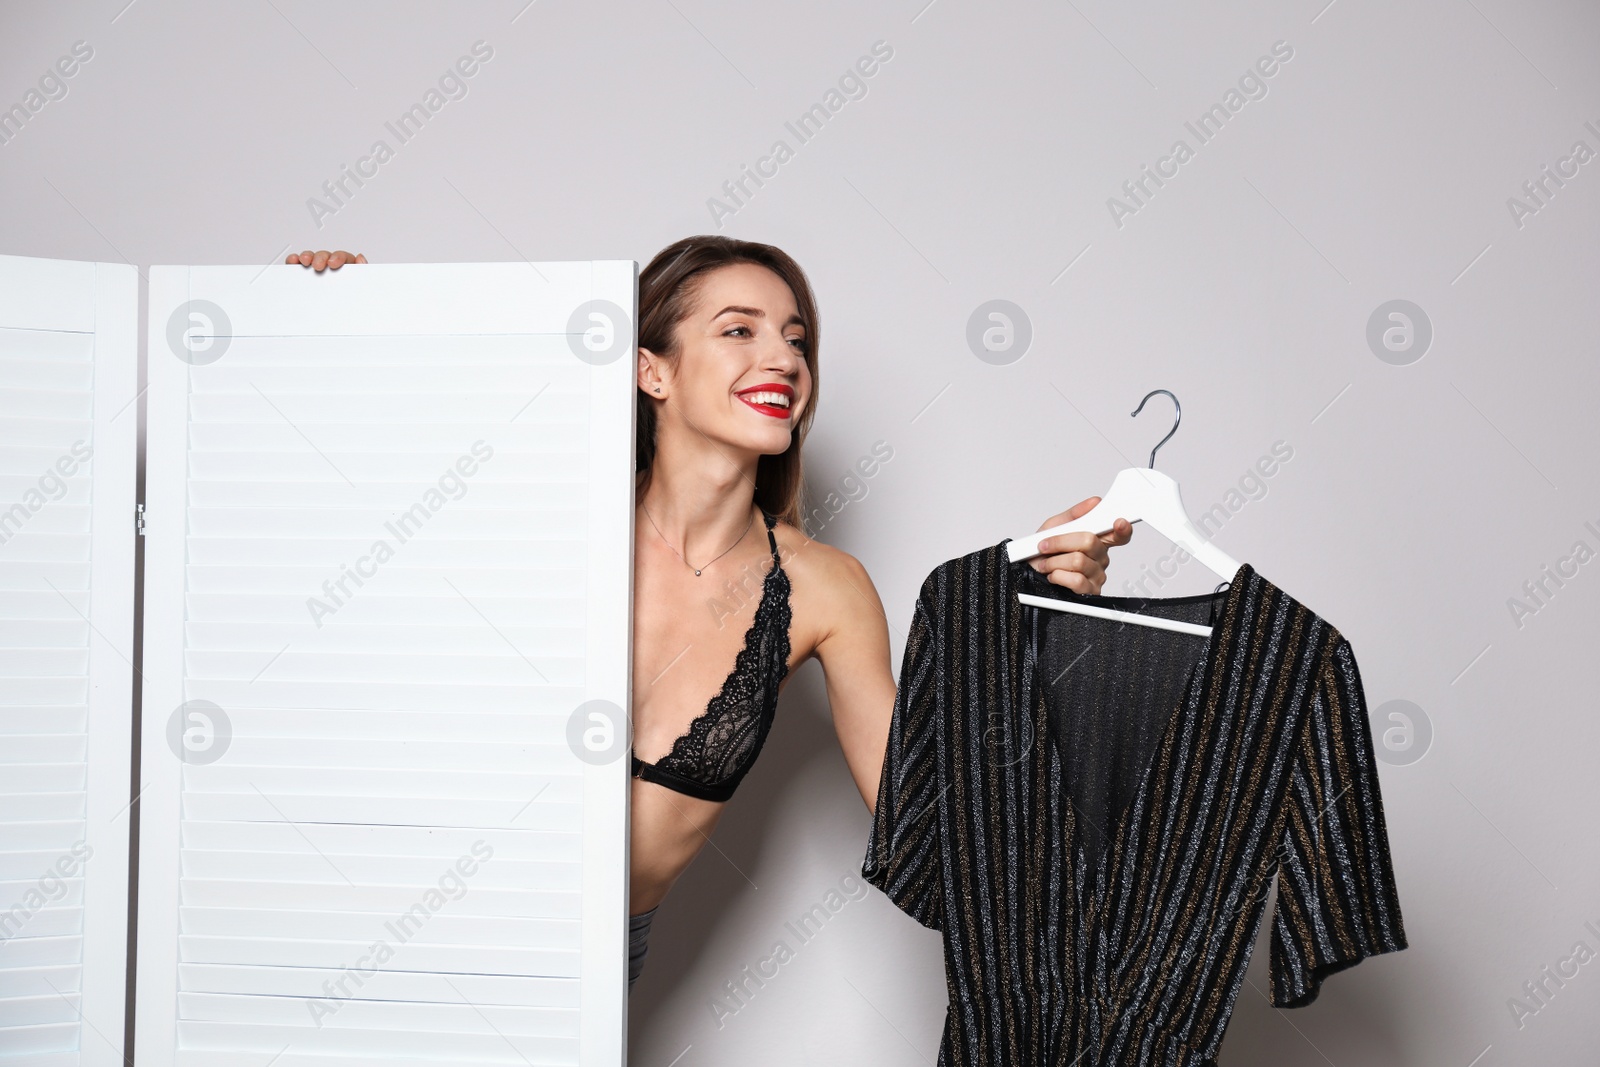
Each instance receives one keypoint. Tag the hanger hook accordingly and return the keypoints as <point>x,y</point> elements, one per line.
<point>1176,418</point>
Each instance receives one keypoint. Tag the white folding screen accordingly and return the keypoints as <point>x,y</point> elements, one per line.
<point>387,647</point>
<point>68,437</point>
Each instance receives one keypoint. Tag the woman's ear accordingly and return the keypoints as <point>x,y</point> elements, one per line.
<point>650,379</point>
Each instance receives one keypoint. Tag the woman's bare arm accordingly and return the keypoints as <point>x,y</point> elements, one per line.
<point>854,653</point>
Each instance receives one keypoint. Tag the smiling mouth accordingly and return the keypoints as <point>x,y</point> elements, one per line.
<point>766,405</point>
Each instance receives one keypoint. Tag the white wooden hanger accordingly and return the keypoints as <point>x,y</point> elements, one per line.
<point>1137,494</point>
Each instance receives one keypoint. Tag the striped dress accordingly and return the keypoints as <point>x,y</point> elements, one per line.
<point>1092,813</point>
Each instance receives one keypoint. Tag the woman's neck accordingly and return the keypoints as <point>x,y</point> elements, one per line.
<point>699,519</point>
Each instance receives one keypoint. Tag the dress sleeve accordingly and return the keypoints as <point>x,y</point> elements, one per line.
<point>903,851</point>
<point>1336,899</point>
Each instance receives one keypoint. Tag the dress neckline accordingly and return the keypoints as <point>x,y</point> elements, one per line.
<point>1180,723</point>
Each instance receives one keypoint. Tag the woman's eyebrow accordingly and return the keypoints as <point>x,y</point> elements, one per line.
<point>757,313</point>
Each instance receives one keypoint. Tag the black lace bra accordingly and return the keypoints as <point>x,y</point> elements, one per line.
<point>721,744</point>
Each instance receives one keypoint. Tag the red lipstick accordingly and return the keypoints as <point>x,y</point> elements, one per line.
<point>774,410</point>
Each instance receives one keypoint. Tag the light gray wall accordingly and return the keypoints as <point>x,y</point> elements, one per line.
<point>1381,164</point>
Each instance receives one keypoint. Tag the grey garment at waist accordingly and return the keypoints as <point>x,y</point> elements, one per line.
<point>638,934</point>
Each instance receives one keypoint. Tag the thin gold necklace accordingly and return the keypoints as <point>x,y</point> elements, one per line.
<point>686,563</point>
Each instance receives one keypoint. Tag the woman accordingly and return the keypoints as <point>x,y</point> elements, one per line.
<point>727,375</point>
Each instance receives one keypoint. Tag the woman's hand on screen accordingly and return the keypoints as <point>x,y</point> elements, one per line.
<point>317,261</point>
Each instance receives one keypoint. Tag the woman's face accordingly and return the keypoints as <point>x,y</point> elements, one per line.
<point>741,376</point>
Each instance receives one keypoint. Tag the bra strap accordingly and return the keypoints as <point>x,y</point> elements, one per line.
<point>771,520</point>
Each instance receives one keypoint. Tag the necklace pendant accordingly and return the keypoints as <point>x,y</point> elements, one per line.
<point>697,574</point>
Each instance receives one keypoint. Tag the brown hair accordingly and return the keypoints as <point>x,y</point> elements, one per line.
<point>668,287</point>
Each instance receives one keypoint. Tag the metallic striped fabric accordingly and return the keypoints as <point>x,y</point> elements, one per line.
<point>1199,767</point>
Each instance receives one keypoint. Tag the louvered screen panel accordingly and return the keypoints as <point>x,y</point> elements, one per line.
<point>68,438</point>
<point>388,570</point>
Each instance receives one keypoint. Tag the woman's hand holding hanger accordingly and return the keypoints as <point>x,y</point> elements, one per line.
<point>1078,561</point>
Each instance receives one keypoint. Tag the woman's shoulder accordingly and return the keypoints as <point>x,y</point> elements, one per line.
<point>829,592</point>
<point>816,560</point>
<point>827,584</point>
